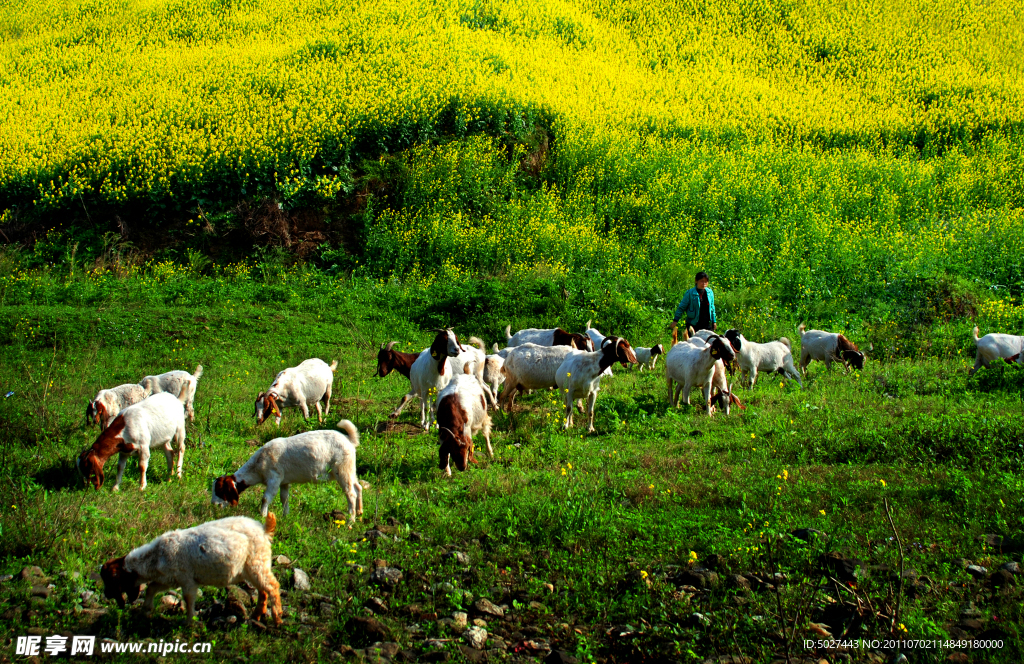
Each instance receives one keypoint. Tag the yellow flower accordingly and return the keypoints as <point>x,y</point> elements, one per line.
<point>693,556</point>
<point>883,483</point>
<point>821,512</point>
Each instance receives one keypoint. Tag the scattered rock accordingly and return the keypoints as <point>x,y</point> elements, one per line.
<point>1001,578</point>
<point>962,563</point>
<point>460,620</point>
<point>486,607</point>
<point>977,571</point>
<point>378,563</point>
<point>807,534</point>
<point>971,624</point>
<point>389,577</point>
<point>300,581</point>
<point>698,620</point>
<point>327,610</point>
<point>970,611</point>
<point>471,654</point>
<point>376,605</point>
<point>89,616</point>
<point>496,643</point>
<point>6,577</point>
<point>475,637</point>
<point>239,598</point>
<point>442,587</point>
<point>537,606</point>
<point>479,622</point>
<point>41,590</point>
<point>34,575</point>
<point>416,537</point>
<point>1012,567</point>
<point>548,587</point>
<point>387,649</point>
<point>170,601</point>
<point>458,557</point>
<point>86,595</point>
<point>560,657</point>
<point>366,630</point>
<point>698,577</point>
<point>738,581</point>
<point>373,534</point>
<point>283,561</point>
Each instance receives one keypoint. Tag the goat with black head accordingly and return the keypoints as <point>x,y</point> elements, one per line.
<point>580,374</point>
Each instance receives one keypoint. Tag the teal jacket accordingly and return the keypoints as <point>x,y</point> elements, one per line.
<point>690,305</point>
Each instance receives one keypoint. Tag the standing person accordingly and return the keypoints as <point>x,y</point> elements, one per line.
<point>698,304</point>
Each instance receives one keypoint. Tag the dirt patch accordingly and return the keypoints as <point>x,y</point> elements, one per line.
<point>390,426</point>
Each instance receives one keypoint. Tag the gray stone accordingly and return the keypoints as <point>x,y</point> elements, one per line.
<point>460,620</point>
<point>487,607</point>
<point>300,581</point>
<point>970,611</point>
<point>977,571</point>
<point>475,637</point>
<point>458,557</point>
<point>33,574</point>
<point>738,581</point>
<point>41,590</point>
<point>496,643</point>
<point>479,622</point>
<point>6,577</point>
<point>169,601</point>
<point>1012,567</point>
<point>389,577</point>
<point>442,587</point>
<point>283,561</point>
<point>376,605</point>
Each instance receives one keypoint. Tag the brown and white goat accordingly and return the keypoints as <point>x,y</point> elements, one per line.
<point>310,382</point>
<point>217,553</point>
<point>547,337</point>
<point>461,413</point>
<point>828,347</point>
<point>108,403</point>
<point>155,422</point>
<point>580,373</point>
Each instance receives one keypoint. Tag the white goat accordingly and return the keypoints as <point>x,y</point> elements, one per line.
<point>430,373</point>
<point>493,376</point>
<point>217,553</point>
<point>310,382</point>
<point>647,357</point>
<point>299,459</point>
<point>580,374</point>
<point>157,421</point>
<point>172,382</point>
<point>690,364</point>
<point>995,346</point>
<point>597,339</point>
<point>108,403</point>
<point>531,367</point>
<point>461,413</point>
<point>476,360</point>
<point>547,337</point>
<point>771,357</point>
<point>828,347</point>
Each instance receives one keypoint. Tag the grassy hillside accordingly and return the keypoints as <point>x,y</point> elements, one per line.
<point>614,521</point>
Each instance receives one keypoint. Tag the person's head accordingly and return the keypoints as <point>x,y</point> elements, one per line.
<point>701,280</point>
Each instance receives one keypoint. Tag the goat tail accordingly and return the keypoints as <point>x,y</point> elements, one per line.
<point>588,324</point>
<point>675,336</point>
<point>508,333</point>
<point>494,348</point>
<point>800,328</point>
<point>976,335</point>
<point>334,365</point>
<point>350,430</point>
<point>786,341</point>
<point>270,525</point>
<point>198,372</point>
<point>479,344</point>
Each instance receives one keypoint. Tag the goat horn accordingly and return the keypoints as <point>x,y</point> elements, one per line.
<point>390,345</point>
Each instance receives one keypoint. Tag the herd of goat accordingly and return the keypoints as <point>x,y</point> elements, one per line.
<point>456,385</point>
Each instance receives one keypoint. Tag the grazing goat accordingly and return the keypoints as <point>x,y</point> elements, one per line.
<point>310,382</point>
<point>299,459</point>
<point>691,364</point>
<point>771,357</point>
<point>580,374</point>
<point>549,337</point>
<point>647,357</point>
<point>828,347</point>
<point>430,373</point>
<point>722,396</point>
<point>108,403</point>
<point>217,553</point>
<point>531,367</point>
<point>476,360</point>
<point>995,346</point>
<point>172,382</point>
<point>156,421</point>
<point>461,413</point>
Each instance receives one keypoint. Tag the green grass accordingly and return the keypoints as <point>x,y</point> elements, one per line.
<point>610,520</point>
